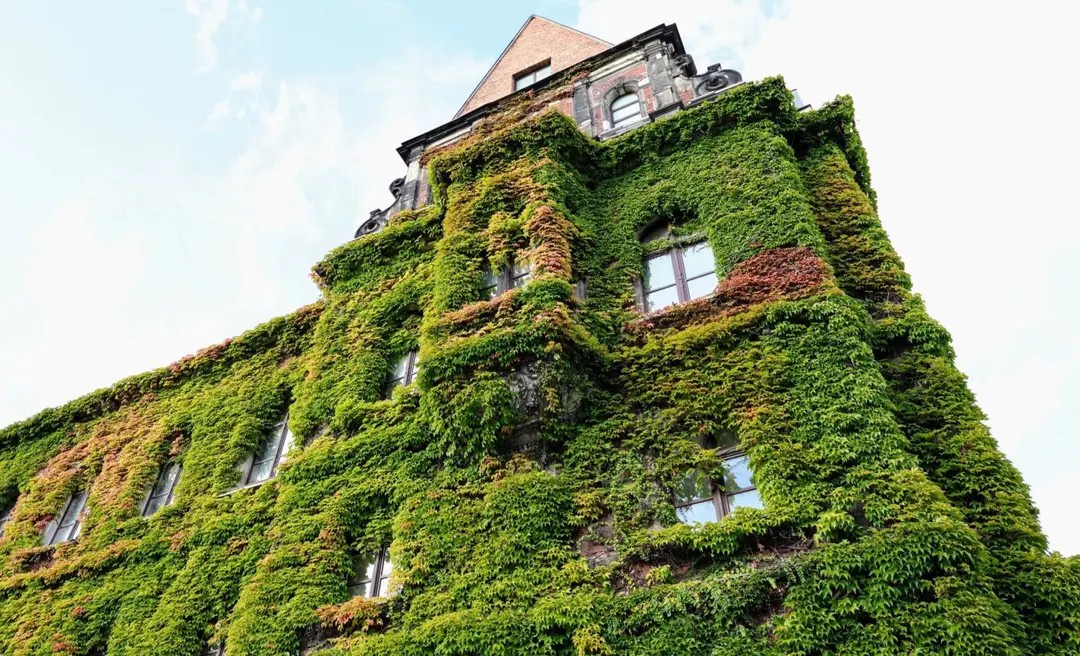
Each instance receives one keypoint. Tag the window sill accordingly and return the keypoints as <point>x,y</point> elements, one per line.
<point>623,129</point>
<point>249,486</point>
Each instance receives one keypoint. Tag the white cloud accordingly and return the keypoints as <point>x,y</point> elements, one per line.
<point>210,17</point>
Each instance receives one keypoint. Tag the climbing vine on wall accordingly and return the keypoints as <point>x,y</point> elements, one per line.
<point>524,484</point>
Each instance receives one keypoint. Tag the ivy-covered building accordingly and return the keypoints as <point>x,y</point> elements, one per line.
<point>628,366</point>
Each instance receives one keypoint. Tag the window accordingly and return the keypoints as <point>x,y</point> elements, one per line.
<point>214,649</point>
<point>405,372</point>
<point>371,575</point>
<point>161,493</point>
<point>625,110</point>
<point>271,454</point>
<point>516,275</point>
<point>6,517</point>
<point>681,274</point>
<point>698,500</point>
<point>528,77</point>
<point>70,524</point>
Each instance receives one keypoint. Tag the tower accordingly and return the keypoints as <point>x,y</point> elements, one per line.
<point>628,366</point>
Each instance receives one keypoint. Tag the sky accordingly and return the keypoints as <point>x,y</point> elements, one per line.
<point>170,171</point>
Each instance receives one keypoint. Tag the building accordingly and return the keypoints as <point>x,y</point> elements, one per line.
<point>628,366</point>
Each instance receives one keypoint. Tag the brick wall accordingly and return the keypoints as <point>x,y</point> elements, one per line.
<point>540,39</point>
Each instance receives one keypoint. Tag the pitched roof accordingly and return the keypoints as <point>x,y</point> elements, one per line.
<point>539,39</point>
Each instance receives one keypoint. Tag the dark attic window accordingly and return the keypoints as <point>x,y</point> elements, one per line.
<point>516,275</point>
<point>161,493</point>
<point>371,575</point>
<point>271,453</point>
<point>679,274</point>
<point>532,75</point>
<point>404,372</point>
<point>69,526</point>
<point>701,500</point>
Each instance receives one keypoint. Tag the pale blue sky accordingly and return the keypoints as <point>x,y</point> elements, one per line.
<point>169,171</point>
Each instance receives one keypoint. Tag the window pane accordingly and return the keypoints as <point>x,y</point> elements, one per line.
<point>542,73</point>
<point>74,507</point>
<point>269,448</point>
<point>748,499</point>
<point>260,471</point>
<point>363,575</point>
<point>661,299</point>
<point>154,504</point>
<point>490,286</point>
<point>694,486</point>
<point>522,82</point>
<point>623,101</point>
<point>521,268</point>
<point>401,369</point>
<point>286,444</point>
<point>625,114</point>
<point>659,272</point>
<point>701,287</point>
<point>701,512</point>
<point>737,476</point>
<point>698,259</point>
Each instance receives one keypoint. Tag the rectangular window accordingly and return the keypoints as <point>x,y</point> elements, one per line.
<point>531,76</point>
<point>371,575</point>
<point>679,275</point>
<point>404,372</point>
<point>161,493</point>
<point>699,501</point>
<point>271,453</point>
<point>517,274</point>
<point>70,524</point>
<point>739,490</point>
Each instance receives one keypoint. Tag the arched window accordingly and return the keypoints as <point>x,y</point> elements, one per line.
<point>625,110</point>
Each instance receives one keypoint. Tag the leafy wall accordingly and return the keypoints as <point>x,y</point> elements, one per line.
<point>892,524</point>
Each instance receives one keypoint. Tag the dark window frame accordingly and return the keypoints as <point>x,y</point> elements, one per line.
<point>719,493</point>
<point>412,369</point>
<point>72,529</point>
<point>167,494</point>
<point>506,279</point>
<point>383,568</point>
<point>678,265</point>
<point>281,434</point>
<point>528,77</point>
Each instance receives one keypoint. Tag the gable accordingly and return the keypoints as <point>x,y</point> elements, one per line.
<point>538,41</point>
